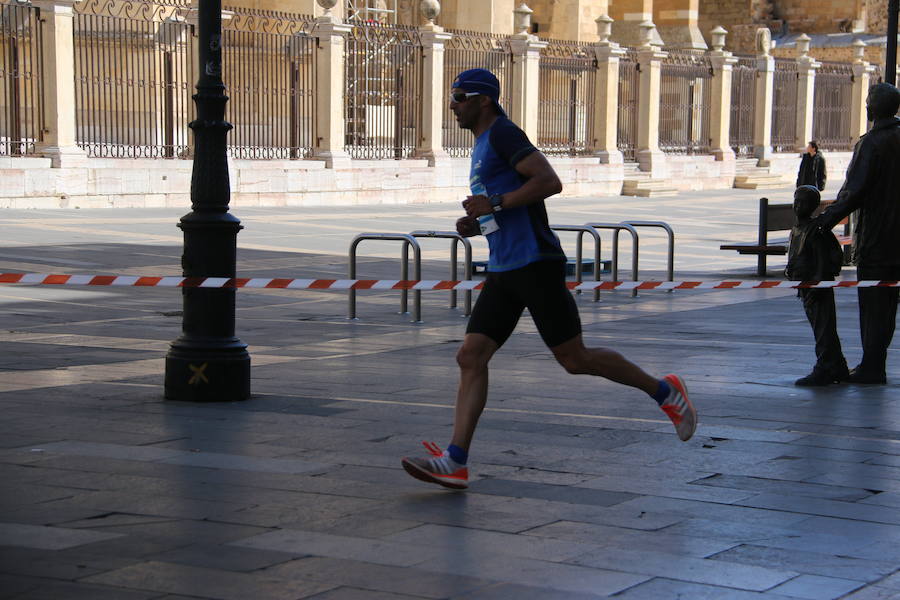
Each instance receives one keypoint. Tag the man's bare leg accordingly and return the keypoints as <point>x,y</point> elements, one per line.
<point>670,392</point>
<point>603,362</point>
<point>473,358</point>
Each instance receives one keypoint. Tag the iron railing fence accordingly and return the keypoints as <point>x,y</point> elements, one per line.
<point>684,103</point>
<point>470,50</point>
<point>743,105</point>
<point>21,84</point>
<point>269,72</point>
<point>628,102</point>
<point>382,91</point>
<point>784,105</point>
<point>133,79</point>
<point>567,79</point>
<point>832,102</point>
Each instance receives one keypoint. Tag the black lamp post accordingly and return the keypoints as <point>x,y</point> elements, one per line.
<point>890,66</point>
<point>208,363</point>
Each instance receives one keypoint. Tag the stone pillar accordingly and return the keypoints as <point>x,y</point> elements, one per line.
<point>862,78</point>
<point>649,156</point>
<point>677,23</point>
<point>628,15</point>
<point>573,19</point>
<point>606,95</point>
<point>58,80</point>
<point>526,50</point>
<point>492,16</point>
<point>720,111</point>
<point>330,130</point>
<point>765,84</point>
<point>430,144</point>
<point>806,81</point>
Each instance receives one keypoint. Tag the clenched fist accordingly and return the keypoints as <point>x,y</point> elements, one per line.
<point>468,226</point>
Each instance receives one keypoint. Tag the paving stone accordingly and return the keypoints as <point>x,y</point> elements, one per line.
<point>536,573</point>
<point>346,593</point>
<point>810,563</point>
<point>574,495</point>
<point>49,538</point>
<point>222,557</point>
<point>335,546</point>
<point>667,589</point>
<point>823,507</point>
<point>616,537</point>
<point>512,591</point>
<point>685,568</point>
<point>206,583</point>
<point>815,587</point>
<point>400,580</point>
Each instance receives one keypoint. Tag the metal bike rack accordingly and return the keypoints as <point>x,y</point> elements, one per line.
<point>581,230</point>
<point>454,271</point>
<point>617,227</point>
<point>671,236</point>
<point>408,241</point>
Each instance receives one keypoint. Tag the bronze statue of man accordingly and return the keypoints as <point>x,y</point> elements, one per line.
<point>872,189</point>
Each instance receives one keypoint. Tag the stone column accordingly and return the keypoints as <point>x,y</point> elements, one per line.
<point>606,95</point>
<point>526,50</point>
<point>720,111</point>
<point>58,80</point>
<point>649,156</point>
<point>862,78</point>
<point>677,23</point>
<point>330,75</point>
<point>765,85</point>
<point>432,101</point>
<point>806,81</point>
<point>628,16</point>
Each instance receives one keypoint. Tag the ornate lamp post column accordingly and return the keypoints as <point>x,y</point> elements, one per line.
<point>208,363</point>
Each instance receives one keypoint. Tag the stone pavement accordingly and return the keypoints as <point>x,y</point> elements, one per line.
<point>581,489</point>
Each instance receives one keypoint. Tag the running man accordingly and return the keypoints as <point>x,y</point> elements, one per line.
<point>509,180</point>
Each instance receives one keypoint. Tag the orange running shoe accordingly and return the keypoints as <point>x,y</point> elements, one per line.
<point>679,408</point>
<point>439,469</point>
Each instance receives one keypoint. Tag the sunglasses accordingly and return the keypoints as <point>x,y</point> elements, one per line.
<point>460,97</point>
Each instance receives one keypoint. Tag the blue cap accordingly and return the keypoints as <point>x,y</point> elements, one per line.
<point>482,81</point>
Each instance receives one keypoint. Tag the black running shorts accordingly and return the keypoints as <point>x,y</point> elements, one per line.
<point>541,288</point>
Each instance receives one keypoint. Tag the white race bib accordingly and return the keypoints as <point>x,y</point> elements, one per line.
<point>488,224</point>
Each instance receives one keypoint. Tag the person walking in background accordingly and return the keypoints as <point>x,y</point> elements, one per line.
<point>814,254</point>
<point>872,189</point>
<point>510,179</point>
<point>812,167</point>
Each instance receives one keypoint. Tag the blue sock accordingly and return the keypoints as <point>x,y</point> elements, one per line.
<point>458,455</point>
<point>662,393</point>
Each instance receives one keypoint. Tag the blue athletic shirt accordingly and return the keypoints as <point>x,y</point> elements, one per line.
<point>524,236</point>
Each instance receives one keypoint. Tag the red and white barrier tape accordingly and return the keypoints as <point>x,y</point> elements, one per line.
<point>396,284</point>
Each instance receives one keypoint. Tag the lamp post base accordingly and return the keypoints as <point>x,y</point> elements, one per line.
<point>208,371</point>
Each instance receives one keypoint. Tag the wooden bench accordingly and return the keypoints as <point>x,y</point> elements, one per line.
<point>780,217</point>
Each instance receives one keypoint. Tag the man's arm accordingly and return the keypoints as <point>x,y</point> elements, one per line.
<point>541,182</point>
<point>853,191</point>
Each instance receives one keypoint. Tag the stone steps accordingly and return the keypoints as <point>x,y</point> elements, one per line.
<point>647,188</point>
<point>749,176</point>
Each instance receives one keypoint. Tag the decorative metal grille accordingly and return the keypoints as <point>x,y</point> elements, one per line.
<point>133,79</point>
<point>568,75</point>
<point>832,101</point>
<point>743,106</point>
<point>269,70</point>
<point>470,50</point>
<point>784,105</point>
<point>685,98</point>
<point>629,98</point>
<point>382,91</point>
<point>21,86</point>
